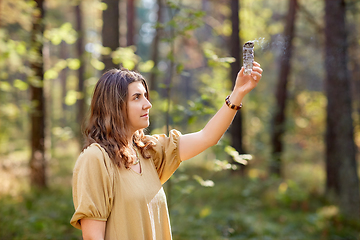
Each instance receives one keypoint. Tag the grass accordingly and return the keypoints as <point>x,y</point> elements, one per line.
<point>38,215</point>
<point>241,208</point>
<point>253,206</point>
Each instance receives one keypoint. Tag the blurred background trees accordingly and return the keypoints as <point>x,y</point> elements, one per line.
<point>300,127</point>
<point>341,166</point>
<point>278,128</point>
<point>37,111</point>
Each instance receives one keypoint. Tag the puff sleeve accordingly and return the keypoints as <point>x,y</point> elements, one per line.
<point>166,155</point>
<point>93,180</point>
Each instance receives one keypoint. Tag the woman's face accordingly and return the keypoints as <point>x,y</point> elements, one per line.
<point>138,106</point>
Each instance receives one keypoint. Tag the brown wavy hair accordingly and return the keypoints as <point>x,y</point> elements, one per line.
<point>107,123</point>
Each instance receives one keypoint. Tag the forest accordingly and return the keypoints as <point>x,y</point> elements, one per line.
<point>288,166</point>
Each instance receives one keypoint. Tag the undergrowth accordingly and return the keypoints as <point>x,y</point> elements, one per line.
<point>238,207</point>
<point>204,204</point>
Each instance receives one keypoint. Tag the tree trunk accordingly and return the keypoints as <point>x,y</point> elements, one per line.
<point>155,49</point>
<point>131,14</point>
<point>341,166</point>
<point>235,51</point>
<point>155,58</point>
<point>63,76</point>
<point>110,31</point>
<point>354,60</point>
<point>81,70</point>
<point>37,161</point>
<point>281,93</point>
<point>0,13</point>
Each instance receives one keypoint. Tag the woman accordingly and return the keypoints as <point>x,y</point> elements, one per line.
<point>118,177</point>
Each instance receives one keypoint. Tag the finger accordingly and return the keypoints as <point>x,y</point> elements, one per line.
<point>241,72</point>
<point>256,64</point>
<point>256,75</point>
<point>257,69</point>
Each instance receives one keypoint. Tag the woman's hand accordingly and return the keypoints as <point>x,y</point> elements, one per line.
<point>194,143</point>
<point>245,83</point>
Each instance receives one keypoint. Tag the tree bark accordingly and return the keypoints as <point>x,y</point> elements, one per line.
<point>37,161</point>
<point>281,92</point>
<point>341,166</point>
<point>63,76</point>
<point>155,49</point>
<point>131,16</point>
<point>236,131</point>
<point>0,14</point>
<point>110,31</point>
<point>155,58</point>
<point>81,71</point>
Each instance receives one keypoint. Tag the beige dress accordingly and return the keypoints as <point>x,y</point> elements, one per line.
<point>132,204</point>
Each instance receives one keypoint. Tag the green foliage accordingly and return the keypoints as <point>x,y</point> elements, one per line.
<point>253,208</point>
<point>38,215</point>
<point>146,66</point>
<point>98,65</point>
<point>208,202</point>
<point>257,19</point>
<point>228,206</point>
<point>239,158</point>
<point>184,20</point>
<point>126,57</point>
<point>214,60</point>
<point>64,33</point>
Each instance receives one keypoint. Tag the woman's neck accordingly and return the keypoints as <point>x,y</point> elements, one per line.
<point>130,139</point>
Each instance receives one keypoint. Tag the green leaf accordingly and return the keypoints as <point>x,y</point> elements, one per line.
<point>240,158</point>
<point>5,86</point>
<point>103,6</point>
<point>71,97</point>
<point>202,182</point>
<point>56,40</point>
<point>125,56</point>
<point>170,56</point>
<point>105,51</point>
<point>129,64</point>
<point>206,211</point>
<point>51,74</point>
<point>199,14</point>
<point>172,23</point>
<point>146,66</point>
<point>60,65</point>
<point>10,110</point>
<point>227,60</point>
<point>159,26</point>
<point>179,68</point>
<point>36,82</point>
<point>73,63</point>
<point>172,5</point>
<point>98,65</point>
<point>21,85</point>
<point>163,86</point>
<point>21,48</point>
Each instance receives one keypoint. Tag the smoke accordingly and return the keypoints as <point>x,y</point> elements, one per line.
<point>276,44</point>
<point>260,42</point>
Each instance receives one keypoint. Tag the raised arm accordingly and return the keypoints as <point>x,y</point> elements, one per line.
<point>194,143</point>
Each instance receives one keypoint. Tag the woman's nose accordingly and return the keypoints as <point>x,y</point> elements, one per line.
<point>147,105</point>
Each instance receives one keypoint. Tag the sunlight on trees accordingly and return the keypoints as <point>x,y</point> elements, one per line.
<point>191,74</point>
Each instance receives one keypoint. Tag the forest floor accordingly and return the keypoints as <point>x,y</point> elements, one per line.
<point>203,203</point>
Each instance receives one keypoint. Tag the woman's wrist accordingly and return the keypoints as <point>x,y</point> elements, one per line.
<point>236,97</point>
<point>232,106</point>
